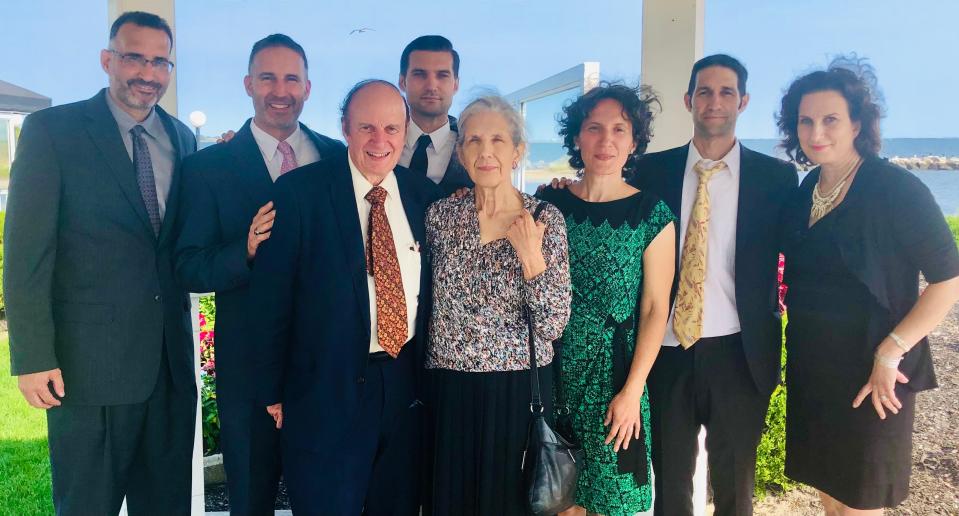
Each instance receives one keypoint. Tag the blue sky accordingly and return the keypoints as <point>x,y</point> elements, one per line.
<point>52,47</point>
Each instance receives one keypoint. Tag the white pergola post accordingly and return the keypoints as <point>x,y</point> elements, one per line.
<point>672,42</point>
<point>165,9</point>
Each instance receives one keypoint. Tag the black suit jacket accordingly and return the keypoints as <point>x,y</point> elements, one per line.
<point>765,184</point>
<point>89,288</point>
<point>223,187</point>
<point>309,285</point>
<point>455,176</point>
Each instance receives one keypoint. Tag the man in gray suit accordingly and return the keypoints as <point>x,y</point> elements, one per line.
<point>99,331</point>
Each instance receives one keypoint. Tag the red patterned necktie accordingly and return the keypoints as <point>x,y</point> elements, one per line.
<point>382,264</point>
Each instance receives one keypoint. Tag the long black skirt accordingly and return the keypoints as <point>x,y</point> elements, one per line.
<point>480,425</point>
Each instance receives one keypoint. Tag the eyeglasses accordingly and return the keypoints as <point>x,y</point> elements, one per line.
<point>159,64</point>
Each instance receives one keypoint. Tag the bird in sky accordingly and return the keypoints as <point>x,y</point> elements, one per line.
<point>360,31</point>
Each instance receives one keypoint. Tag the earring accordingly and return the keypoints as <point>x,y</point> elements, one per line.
<point>575,147</point>
<point>515,163</point>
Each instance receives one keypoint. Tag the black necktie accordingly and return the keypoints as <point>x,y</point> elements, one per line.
<point>419,162</point>
<point>144,167</point>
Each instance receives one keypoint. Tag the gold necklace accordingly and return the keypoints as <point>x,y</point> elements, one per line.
<point>823,203</point>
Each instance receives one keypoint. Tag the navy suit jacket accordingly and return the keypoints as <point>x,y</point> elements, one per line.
<point>223,187</point>
<point>309,286</point>
<point>765,183</point>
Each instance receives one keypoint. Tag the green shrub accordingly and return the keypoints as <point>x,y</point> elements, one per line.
<point>211,416</point>
<point>771,454</point>
<point>953,221</point>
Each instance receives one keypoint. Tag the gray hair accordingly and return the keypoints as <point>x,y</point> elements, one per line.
<point>493,104</point>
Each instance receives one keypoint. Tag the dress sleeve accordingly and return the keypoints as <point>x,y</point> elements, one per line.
<point>659,218</point>
<point>921,231</point>
<point>548,295</point>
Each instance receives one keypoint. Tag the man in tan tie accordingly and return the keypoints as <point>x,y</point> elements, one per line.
<point>720,358</point>
<point>341,289</point>
<point>226,215</point>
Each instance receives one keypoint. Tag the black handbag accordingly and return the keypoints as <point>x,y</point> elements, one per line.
<point>551,462</point>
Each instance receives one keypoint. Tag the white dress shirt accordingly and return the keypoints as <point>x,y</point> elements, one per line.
<point>438,153</point>
<point>719,290</point>
<point>303,149</point>
<point>407,248</point>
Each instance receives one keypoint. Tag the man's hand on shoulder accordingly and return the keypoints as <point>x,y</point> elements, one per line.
<point>558,184</point>
<point>225,137</point>
<point>36,388</point>
<point>460,193</point>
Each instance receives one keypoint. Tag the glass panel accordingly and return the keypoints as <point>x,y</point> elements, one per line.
<point>4,153</point>
<point>545,157</point>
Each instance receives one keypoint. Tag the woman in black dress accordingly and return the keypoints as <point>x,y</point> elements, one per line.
<point>858,233</point>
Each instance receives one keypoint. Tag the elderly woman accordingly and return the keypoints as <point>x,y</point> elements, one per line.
<point>490,261</point>
<point>859,232</point>
<point>622,247</point>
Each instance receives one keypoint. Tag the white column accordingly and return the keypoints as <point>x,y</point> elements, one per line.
<point>163,9</point>
<point>672,42</point>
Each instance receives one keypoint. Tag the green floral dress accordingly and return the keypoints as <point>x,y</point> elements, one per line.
<point>606,245</point>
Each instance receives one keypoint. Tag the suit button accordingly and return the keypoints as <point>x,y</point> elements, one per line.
<point>360,379</point>
<point>156,298</point>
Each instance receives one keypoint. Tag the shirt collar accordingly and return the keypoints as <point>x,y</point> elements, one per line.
<point>440,136</point>
<point>151,124</point>
<point>731,158</point>
<point>361,186</point>
<point>268,144</point>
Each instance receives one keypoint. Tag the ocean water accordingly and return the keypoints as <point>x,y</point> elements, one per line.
<point>944,184</point>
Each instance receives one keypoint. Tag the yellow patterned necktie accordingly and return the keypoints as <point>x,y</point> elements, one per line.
<point>688,314</point>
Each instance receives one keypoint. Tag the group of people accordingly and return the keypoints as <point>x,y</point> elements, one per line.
<point>379,304</point>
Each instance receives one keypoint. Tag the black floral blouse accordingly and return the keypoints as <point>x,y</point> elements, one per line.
<point>479,291</point>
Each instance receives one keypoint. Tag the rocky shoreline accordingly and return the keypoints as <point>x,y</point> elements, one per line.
<point>927,162</point>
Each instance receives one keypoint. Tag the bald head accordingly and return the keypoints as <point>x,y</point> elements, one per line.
<point>374,118</point>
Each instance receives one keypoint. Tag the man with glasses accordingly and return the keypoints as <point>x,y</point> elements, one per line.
<point>99,331</point>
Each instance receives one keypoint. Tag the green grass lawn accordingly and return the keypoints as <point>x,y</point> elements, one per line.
<point>24,462</point>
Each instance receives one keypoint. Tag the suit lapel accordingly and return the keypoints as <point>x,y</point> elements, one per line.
<point>412,203</point>
<point>343,200</point>
<point>105,133</point>
<point>180,150</point>
<point>251,171</point>
<point>749,209</point>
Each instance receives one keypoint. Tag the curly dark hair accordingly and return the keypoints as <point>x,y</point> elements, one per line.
<point>637,106</point>
<point>853,78</point>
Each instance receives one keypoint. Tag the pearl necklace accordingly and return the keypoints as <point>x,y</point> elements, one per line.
<point>823,203</point>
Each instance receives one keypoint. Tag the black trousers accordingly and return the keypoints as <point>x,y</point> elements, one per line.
<point>710,385</point>
<point>251,453</point>
<point>144,451</point>
<point>375,469</point>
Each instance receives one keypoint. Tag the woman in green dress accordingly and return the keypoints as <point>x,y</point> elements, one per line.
<point>622,246</point>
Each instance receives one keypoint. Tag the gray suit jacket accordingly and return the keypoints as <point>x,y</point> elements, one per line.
<point>89,289</point>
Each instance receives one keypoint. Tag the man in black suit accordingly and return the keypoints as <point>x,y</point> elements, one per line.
<point>99,330</point>
<point>720,359</point>
<point>429,75</point>
<point>342,295</point>
<point>225,215</point>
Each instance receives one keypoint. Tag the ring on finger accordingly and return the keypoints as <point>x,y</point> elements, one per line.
<point>257,232</point>
<point>883,397</point>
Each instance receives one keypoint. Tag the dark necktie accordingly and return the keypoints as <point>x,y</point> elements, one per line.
<point>148,186</point>
<point>419,162</point>
<point>383,265</point>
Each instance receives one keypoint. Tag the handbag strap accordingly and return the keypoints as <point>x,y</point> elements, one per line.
<point>536,399</point>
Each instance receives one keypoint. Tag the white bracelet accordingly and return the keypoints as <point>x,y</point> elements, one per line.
<point>897,340</point>
<point>892,363</point>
